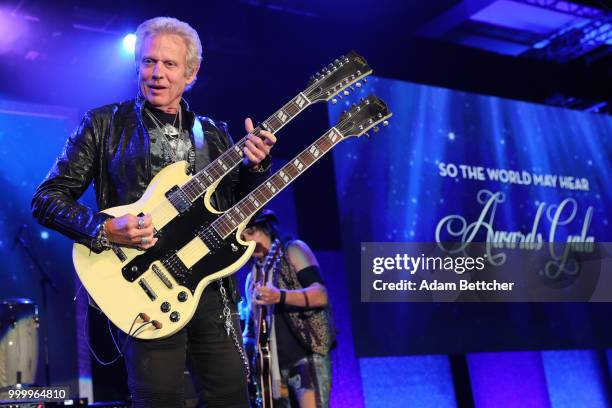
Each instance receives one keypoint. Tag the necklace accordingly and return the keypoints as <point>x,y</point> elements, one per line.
<point>168,130</point>
<point>173,144</point>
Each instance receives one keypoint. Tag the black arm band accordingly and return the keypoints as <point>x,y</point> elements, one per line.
<point>309,275</point>
<point>283,297</point>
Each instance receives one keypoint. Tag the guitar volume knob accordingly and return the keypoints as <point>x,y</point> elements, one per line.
<point>175,316</point>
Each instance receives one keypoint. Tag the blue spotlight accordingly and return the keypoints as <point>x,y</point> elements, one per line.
<point>541,44</point>
<point>44,235</point>
<point>129,43</point>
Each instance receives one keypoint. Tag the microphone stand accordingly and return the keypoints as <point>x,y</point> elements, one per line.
<point>45,281</point>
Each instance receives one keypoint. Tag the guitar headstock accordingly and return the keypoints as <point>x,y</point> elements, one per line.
<point>343,73</point>
<point>273,255</point>
<point>363,116</point>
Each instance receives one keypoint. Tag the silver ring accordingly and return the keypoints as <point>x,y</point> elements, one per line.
<point>144,240</point>
<point>140,223</point>
<point>258,296</point>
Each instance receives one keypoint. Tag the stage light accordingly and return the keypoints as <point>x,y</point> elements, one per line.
<point>541,44</point>
<point>44,235</point>
<point>129,43</point>
<point>12,28</point>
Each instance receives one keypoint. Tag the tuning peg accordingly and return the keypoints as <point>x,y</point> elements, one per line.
<point>366,135</point>
<point>358,84</point>
<point>386,123</point>
<point>339,96</point>
<point>337,60</point>
<point>376,129</point>
<point>352,88</point>
<point>365,80</point>
<point>346,93</point>
<point>334,101</point>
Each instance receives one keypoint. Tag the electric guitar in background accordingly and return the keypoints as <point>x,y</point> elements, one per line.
<point>262,318</point>
<point>199,244</point>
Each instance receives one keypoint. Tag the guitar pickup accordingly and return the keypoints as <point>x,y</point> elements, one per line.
<point>119,252</point>
<point>148,290</point>
<point>177,268</point>
<point>179,199</point>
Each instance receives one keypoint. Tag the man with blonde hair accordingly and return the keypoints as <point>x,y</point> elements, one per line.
<point>121,147</point>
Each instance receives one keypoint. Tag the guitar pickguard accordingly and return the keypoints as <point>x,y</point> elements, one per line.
<point>175,235</point>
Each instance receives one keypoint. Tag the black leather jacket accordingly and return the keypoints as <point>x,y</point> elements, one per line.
<point>111,148</point>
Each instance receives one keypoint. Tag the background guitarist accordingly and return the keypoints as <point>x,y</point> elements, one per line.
<point>303,333</point>
<point>121,147</point>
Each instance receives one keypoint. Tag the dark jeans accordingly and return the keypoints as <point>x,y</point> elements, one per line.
<point>155,367</point>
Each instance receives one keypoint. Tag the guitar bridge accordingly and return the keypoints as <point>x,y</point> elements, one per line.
<point>158,272</point>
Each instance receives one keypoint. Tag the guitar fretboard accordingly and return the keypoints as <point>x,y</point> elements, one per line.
<point>198,184</point>
<point>250,204</point>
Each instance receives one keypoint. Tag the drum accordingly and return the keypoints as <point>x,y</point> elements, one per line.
<point>18,341</point>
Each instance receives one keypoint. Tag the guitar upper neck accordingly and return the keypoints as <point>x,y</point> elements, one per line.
<point>229,159</point>
<point>250,204</point>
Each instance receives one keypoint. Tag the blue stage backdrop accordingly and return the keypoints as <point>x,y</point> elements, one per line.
<point>447,159</point>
